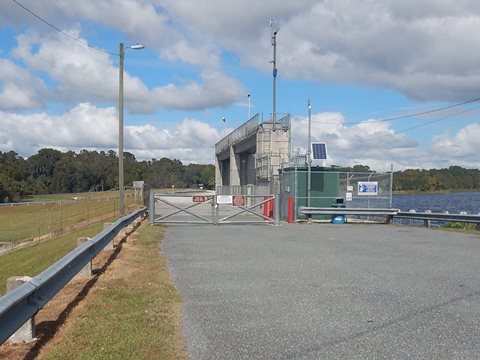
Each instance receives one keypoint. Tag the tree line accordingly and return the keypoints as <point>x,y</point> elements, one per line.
<point>453,178</point>
<point>418,180</point>
<point>51,171</point>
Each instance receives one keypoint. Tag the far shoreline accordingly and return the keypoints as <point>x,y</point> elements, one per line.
<point>431,192</point>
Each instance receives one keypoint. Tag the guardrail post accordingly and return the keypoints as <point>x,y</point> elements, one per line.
<point>26,332</point>
<point>427,223</point>
<point>109,246</point>
<point>151,208</point>
<point>87,269</point>
<point>276,209</point>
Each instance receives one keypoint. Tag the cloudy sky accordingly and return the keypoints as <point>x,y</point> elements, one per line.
<point>360,63</point>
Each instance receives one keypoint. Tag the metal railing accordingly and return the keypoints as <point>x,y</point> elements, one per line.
<point>243,131</point>
<point>19,305</point>
<point>303,210</point>
<point>444,217</point>
<point>391,214</point>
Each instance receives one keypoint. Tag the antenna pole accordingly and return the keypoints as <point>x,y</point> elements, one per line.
<point>274,62</point>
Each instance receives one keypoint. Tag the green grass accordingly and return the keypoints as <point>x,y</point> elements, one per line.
<point>32,260</point>
<point>468,228</point>
<point>22,222</point>
<point>132,315</point>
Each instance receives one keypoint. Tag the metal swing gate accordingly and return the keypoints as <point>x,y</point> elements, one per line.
<point>214,209</point>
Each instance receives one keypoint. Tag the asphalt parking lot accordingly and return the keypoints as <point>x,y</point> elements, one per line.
<point>325,291</point>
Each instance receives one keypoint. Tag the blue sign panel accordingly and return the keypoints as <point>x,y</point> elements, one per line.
<point>367,188</point>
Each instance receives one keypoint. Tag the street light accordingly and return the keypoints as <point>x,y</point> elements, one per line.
<point>121,186</point>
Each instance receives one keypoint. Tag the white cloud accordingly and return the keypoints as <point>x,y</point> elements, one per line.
<point>376,144</point>
<point>18,88</point>
<point>89,127</point>
<point>369,143</point>
<point>83,75</point>
<point>461,148</point>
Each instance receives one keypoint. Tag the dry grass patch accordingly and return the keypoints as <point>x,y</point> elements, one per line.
<point>132,312</point>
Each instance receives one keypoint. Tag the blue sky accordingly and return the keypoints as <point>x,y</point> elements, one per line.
<point>357,62</point>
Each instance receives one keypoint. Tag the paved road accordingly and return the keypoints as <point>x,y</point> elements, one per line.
<point>327,291</point>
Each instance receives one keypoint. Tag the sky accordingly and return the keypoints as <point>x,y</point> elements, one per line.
<point>365,66</point>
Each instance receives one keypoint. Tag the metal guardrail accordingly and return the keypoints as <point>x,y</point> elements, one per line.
<point>304,210</point>
<point>19,305</point>
<point>470,218</point>
<point>391,213</point>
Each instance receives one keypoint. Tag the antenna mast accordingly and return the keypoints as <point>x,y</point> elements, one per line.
<point>275,29</point>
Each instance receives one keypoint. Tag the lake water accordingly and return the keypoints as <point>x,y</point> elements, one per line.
<point>454,203</point>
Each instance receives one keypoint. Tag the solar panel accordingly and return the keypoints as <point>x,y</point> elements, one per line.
<point>319,151</point>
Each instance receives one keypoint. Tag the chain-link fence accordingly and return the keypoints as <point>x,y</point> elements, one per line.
<point>331,188</point>
<point>23,223</point>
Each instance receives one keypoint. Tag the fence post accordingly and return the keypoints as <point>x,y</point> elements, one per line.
<point>86,271</point>
<point>214,210</point>
<point>26,332</point>
<point>151,208</point>
<point>290,209</point>
<point>276,209</point>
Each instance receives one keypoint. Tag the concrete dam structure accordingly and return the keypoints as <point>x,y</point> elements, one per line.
<point>253,153</point>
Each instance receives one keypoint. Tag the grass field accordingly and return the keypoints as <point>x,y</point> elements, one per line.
<point>32,260</point>
<point>52,214</point>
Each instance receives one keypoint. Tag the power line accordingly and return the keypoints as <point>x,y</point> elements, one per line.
<point>63,32</point>
<point>437,120</point>
<point>408,115</point>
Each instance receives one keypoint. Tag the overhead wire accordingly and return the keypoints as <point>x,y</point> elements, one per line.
<point>400,117</point>
<point>437,120</point>
<point>63,32</point>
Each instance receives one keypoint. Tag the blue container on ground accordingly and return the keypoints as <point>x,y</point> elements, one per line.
<point>338,218</point>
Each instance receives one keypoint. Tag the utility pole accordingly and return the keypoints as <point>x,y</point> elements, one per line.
<point>309,155</point>
<point>121,187</point>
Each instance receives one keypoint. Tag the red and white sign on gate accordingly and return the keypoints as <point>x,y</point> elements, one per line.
<point>199,198</point>
<point>238,200</point>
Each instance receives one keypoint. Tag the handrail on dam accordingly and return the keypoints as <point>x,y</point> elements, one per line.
<point>19,305</point>
<point>244,130</point>
<point>247,129</point>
